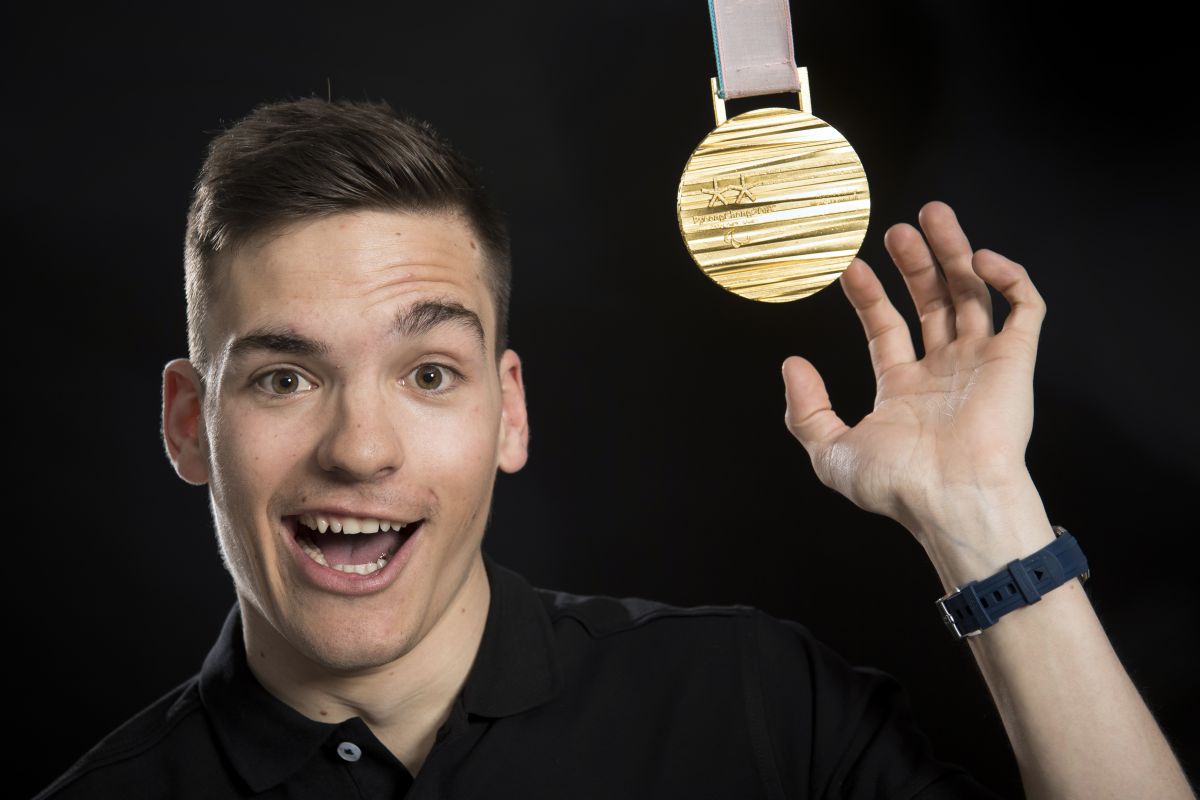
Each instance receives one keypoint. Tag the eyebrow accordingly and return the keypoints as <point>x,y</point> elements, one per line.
<point>415,320</point>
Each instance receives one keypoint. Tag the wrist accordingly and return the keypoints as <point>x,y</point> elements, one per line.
<point>978,605</point>
<point>973,532</point>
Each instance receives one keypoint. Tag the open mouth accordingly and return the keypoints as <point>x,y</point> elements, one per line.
<point>359,553</point>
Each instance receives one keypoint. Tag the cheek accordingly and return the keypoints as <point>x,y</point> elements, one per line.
<point>459,449</point>
<point>250,453</point>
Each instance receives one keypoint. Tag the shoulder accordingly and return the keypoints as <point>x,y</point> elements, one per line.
<point>734,638</point>
<point>604,615</point>
<point>817,723</point>
<point>121,762</point>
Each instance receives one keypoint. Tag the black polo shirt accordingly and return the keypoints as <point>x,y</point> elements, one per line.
<point>569,697</point>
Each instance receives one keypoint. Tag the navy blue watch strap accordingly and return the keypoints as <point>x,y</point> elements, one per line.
<point>969,610</point>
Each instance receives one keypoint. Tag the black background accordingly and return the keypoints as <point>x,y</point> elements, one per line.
<point>660,464</point>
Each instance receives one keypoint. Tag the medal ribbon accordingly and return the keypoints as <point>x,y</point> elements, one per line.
<point>752,40</point>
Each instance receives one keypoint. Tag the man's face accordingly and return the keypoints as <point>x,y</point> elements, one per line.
<point>320,404</point>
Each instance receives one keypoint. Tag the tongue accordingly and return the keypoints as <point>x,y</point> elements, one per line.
<point>355,548</point>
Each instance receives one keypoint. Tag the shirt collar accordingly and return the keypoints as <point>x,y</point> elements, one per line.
<point>266,740</point>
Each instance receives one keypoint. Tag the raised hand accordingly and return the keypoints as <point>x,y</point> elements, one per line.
<point>955,422</point>
<point>943,453</point>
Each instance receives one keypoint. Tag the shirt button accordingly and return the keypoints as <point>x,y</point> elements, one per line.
<point>349,751</point>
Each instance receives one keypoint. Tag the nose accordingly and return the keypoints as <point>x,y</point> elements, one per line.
<point>361,442</point>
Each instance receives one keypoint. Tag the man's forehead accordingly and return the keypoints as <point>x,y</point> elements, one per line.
<point>425,269</point>
<point>347,243</point>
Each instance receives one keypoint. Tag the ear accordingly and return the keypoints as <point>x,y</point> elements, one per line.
<point>183,421</point>
<point>513,443</point>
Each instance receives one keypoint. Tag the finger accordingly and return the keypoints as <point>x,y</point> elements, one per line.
<point>809,415</point>
<point>888,339</point>
<point>931,296</point>
<point>1012,280</point>
<point>972,299</point>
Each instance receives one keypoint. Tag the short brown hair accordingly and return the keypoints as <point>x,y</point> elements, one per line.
<point>307,158</point>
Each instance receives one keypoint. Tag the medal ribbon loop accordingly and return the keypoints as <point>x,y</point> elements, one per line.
<point>752,40</point>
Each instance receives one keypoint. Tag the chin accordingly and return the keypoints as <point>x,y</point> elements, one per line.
<point>355,648</point>
<point>338,641</point>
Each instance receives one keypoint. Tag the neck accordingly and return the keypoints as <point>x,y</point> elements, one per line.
<point>405,701</point>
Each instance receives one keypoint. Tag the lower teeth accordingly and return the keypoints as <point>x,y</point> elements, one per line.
<point>316,555</point>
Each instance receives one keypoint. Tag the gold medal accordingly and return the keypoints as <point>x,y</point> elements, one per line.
<point>773,205</point>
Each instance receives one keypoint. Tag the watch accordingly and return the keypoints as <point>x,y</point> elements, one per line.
<point>971,609</point>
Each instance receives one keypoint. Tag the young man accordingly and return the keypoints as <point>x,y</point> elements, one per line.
<point>348,399</point>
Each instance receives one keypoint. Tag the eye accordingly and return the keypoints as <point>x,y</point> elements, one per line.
<point>282,382</point>
<point>431,378</point>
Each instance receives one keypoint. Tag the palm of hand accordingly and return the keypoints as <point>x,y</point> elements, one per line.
<point>961,416</point>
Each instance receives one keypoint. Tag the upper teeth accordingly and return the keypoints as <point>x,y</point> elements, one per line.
<point>325,522</point>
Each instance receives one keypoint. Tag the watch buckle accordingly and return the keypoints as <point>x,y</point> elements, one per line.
<point>948,618</point>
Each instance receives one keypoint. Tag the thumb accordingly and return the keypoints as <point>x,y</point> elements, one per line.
<point>809,415</point>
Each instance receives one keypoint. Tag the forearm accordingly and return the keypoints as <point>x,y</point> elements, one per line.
<point>1077,724</point>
